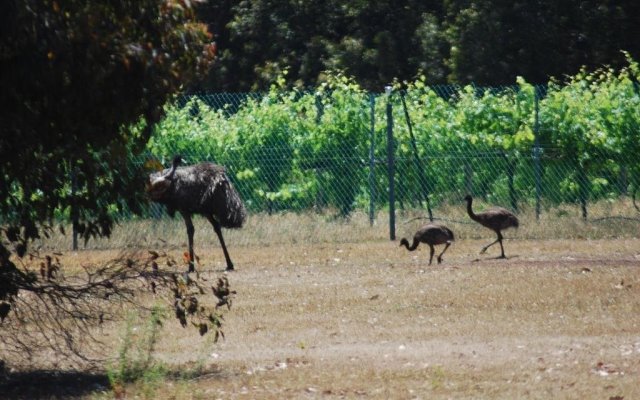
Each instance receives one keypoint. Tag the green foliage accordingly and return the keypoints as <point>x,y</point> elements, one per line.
<point>337,146</point>
<point>295,150</point>
<point>82,84</point>
<point>595,113</point>
<point>135,357</point>
<point>264,146</point>
<point>280,146</point>
<point>135,363</point>
<point>468,134</point>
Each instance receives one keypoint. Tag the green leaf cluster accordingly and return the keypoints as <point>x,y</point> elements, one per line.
<point>292,149</point>
<point>82,84</point>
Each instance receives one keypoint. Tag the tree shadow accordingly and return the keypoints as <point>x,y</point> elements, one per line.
<point>51,384</point>
<point>55,384</point>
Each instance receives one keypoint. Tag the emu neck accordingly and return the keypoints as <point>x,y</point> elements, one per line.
<point>172,172</point>
<point>470,211</point>
<point>414,245</point>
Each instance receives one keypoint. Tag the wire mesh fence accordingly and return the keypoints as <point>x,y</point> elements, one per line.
<point>416,152</point>
<point>288,166</point>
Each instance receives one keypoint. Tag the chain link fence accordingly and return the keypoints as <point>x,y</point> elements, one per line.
<point>412,154</point>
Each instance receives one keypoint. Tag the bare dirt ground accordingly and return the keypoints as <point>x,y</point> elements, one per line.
<point>557,319</point>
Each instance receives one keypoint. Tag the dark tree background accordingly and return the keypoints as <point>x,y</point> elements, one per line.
<point>487,42</point>
<point>78,79</point>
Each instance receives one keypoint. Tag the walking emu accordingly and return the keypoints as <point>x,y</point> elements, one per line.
<point>431,234</point>
<point>203,189</point>
<point>496,219</point>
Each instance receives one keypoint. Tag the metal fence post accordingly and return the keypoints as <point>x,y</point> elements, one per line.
<point>391,166</point>
<point>416,159</point>
<point>468,175</point>
<point>536,152</point>
<point>583,188</point>
<point>511,171</point>
<point>372,146</point>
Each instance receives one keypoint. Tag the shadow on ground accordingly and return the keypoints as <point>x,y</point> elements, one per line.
<point>50,384</point>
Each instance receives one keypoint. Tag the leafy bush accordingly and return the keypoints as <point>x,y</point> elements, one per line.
<point>292,149</point>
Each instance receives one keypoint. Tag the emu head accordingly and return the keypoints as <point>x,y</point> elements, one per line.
<point>177,160</point>
<point>159,182</point>
<point>157,187</point>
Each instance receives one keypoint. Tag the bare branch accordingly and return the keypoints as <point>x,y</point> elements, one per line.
<point>59,311</point>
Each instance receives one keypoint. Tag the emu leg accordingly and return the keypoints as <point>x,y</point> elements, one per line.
<point>484,249</point>
<point>190,231</point>
<point>499,239</point>
<point>445,249</point>
<point>218,229</point>
<point>501,247</point>
<point>431,251</point>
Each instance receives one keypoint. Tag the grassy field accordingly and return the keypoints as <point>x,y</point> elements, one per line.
<point>346,313</point>
<point>607,220</point>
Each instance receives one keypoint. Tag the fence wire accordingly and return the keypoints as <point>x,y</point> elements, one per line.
<point>331,153</point>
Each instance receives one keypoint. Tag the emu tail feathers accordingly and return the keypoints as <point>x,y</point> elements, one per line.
<point>515,222</point>
<point>452,237</point>
<point>232,213</point>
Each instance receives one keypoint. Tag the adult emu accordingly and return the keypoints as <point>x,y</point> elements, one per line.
<point>203,189</point>
<point>497,219</point>
<point>431,234</point>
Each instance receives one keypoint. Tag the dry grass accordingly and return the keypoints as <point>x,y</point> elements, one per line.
<point>346,313</point>
<point>607,220</point>
<point>373,320</point>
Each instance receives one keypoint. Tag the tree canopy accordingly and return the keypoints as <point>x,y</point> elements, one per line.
<point>486,42</point>
<point>76,76</point>
<point>82,83</point>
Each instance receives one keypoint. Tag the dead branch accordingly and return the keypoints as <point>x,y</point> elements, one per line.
<point>54,310</point>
